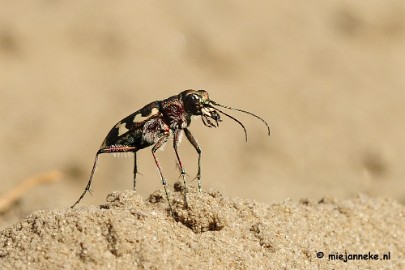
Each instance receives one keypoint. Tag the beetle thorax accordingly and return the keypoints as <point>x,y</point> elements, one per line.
<point>174,114</point>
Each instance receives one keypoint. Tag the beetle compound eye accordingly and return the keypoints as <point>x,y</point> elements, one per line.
<point>193,104</point>
<point>195,98</point>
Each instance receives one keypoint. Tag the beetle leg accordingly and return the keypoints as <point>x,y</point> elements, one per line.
<point>198,149</point>
<point>176,140</point>
<point>135,170</point>
<point>110,149</point>
<point>159,144</point>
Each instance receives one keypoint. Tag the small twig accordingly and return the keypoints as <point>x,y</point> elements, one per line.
<point>13,195</point>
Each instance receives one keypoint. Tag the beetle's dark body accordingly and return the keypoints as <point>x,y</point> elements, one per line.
<point>146,126</point>
<point>154,123</point>
<point>133,131</point>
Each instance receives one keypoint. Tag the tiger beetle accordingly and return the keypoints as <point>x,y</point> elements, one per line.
<point>154,123</point>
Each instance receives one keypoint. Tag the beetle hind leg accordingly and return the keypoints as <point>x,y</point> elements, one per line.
<point>109,149</point>
<point>87,189</point>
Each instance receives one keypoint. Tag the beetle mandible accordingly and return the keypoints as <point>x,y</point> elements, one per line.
<point>154,123</point>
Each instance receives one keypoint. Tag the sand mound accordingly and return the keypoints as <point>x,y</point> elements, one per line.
<point>213,233</point>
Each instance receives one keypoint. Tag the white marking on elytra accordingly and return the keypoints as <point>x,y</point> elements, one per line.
<point>139,118</point>
<point>121,128</point>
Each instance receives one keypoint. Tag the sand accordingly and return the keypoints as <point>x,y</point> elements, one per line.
<point>214,232</point>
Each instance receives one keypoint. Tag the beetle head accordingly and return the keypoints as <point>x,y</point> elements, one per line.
<point>197,102</point>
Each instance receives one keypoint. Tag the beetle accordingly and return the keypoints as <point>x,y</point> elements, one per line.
<point>155,123</point>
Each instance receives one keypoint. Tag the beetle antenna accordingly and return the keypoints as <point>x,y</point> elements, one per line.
<point>240,110</point>
<point>233,118</point>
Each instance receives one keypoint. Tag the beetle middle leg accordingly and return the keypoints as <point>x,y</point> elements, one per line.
<point>176,140</point>
<point>135,170</point>
<point>198,149</point>
<point>159,144</point>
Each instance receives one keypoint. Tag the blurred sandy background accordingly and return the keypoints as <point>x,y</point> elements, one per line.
<point>328,76</point>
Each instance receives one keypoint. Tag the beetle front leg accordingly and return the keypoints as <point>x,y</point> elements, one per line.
<point>159,144</point>
<point>198,149</point>
<point>176,140</point>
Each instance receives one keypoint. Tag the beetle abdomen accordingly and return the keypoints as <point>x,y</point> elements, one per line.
<point>128,131</point>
